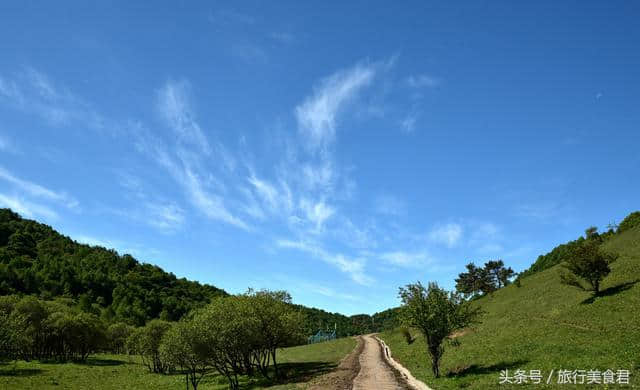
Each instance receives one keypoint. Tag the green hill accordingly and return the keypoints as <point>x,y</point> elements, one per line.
<point>37,260</point>
<point>544,325</point>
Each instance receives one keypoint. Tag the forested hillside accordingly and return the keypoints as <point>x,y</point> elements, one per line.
<point>37,260</point>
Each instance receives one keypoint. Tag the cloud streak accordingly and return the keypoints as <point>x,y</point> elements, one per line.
<point>26,208</point>
<point>38,191</point>
<point>318,114</point>
<point>31,91</point>
<point>448,234</point>
<point>355,268</point>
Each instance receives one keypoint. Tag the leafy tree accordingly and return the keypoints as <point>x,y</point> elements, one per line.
<point>117,335</point>
<point>437,314</point>
<point>470,283</point>
<point>632,220</point>
<point>279,326</point>
<point>188,345</point>
<point>233,335</point>
<point>587,264</point>
<point>11,336</point>
<point>591,232</point>
<point>146,343</point>
<point>497,274</point>
<point>476,281</point>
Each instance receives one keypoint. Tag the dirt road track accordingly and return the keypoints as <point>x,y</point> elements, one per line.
<point>342,377</point>
<point>368,367</point>
<point>375,373</point>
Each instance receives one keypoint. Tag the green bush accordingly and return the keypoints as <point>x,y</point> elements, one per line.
<point>632,220</point>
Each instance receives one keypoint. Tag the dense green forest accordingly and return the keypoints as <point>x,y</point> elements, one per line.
<point>36,260</point>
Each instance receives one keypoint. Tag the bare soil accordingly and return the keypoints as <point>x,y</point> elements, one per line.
<point>375,372</point>
<point>342,377</point>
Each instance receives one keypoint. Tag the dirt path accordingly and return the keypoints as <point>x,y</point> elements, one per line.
<point>375,373</point>
<point>342,377</point>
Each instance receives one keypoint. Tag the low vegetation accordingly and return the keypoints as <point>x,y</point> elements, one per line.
<point>116,372</point>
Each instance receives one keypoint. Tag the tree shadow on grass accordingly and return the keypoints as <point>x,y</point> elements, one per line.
<point>610,291</point>
<point>19,372</point>
<point>102,362</point>
<point>293,373</point>
<point>475,369</point>
<point>91,361</point>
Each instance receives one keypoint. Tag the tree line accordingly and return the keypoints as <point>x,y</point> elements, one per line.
<point>36,260</point>
<point>233,335</point>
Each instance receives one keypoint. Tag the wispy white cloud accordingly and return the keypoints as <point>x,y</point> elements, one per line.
<point>317,212</point>
<point>390,205</point>
<point>175,107</point>
<point>185,163</point>
<point>537,210</point>
<point>142,253</point>
<point>33,92</point>
<point>26,208</point>
<point>210,204</point>
<point>317,115</point>
<point>327,291</point>
<point>421,81</point>
<point>407,259</point>
<point>186,169</point>
<point>484,232</point>
<point>37,190</point>
<point>448,234</point>
<point>355,268</point>
<point>266,191</point>
<point>283,37</point>
<point>408,123</point>
<point>165,216</point>
<point>8,145</point>
<point>225,17</point>
<point>147,206</point>
<point>249,52</point>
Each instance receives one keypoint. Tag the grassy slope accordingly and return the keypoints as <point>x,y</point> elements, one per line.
<point>123,372</point>
<point>544,325</point>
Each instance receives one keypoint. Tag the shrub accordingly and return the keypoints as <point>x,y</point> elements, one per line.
<point>407,335</point>
<point>632,220</point>
<point>437,314</point>
<point>146,341</point>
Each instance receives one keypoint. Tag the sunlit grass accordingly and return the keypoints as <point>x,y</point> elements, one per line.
<point>124,372</point>
<point>543,325</point>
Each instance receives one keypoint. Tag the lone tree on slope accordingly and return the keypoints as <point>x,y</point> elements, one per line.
<point>437,314</point>
<point>587,264</point>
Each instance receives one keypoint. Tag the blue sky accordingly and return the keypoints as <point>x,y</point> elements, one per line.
<point>338,151</point>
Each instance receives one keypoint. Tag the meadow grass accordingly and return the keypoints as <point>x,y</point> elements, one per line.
<point>102,371</point>
<point>543,325</point>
